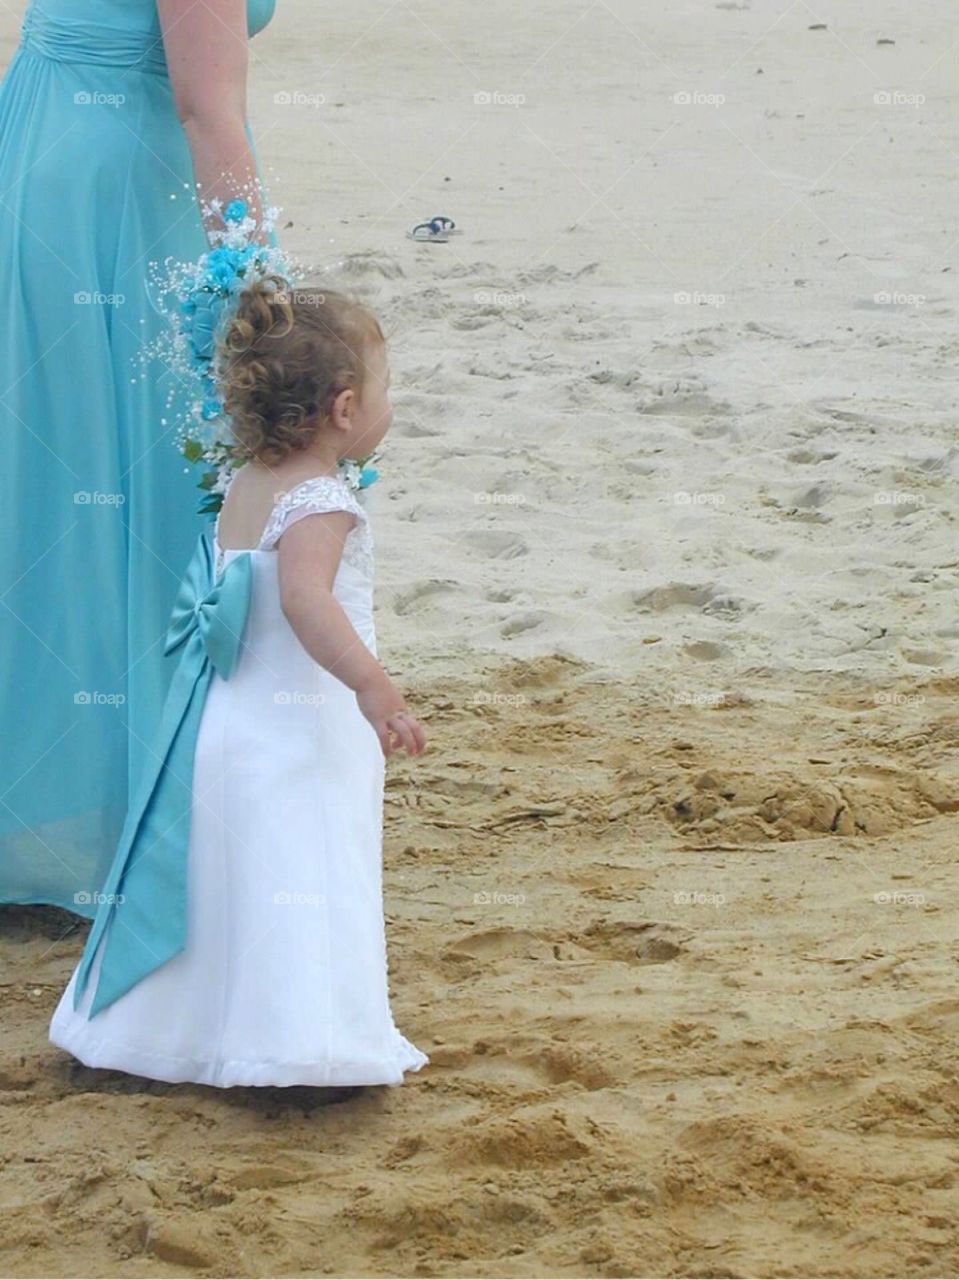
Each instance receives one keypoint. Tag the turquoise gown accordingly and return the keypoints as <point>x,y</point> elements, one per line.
<point>97,509</point>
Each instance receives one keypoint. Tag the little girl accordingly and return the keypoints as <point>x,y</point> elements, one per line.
<point>241,940</point>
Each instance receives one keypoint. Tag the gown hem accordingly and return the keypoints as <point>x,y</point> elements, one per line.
<point>233,1072</point>
<point>41,900</point>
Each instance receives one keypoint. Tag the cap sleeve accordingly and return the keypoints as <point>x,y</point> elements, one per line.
<point>312,497</point>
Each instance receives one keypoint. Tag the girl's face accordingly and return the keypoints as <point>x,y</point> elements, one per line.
<point>366,418</point>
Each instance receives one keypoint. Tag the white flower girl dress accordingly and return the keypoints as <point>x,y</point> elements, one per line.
<point>283,980</point>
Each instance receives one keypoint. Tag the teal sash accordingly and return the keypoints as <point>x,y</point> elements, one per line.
<point>142,906</point>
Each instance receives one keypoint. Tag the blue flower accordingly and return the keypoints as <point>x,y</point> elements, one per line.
<point>221,267</point>
<point>241,261</point>
<point>367,476</point>
<point>211,409</point>
<point>203,327</point>
<point>235,211</point>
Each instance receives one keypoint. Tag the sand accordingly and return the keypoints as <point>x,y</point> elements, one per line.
<point>667,564</point>
<point>670,1033</point>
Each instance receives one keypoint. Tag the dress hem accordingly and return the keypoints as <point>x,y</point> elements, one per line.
<point>232,1073</point>
<point>44,900</point>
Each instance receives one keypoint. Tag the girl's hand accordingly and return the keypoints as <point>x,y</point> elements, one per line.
<point>386,711</point>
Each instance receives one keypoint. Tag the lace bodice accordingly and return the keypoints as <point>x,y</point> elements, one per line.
<point>313,497</point>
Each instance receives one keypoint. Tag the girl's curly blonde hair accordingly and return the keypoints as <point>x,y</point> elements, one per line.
<point>287,354</point>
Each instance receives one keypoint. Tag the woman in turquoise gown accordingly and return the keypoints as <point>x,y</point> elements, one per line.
<point>104,129</point>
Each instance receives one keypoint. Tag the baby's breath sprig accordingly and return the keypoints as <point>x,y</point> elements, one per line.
<point>197,298</point>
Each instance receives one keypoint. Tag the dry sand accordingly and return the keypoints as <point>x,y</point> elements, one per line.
<point>672,898</point>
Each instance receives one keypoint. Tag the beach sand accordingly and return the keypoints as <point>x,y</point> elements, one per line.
<point>667,564</point>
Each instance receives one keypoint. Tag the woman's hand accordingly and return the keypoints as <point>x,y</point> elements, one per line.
<point>383,705</point>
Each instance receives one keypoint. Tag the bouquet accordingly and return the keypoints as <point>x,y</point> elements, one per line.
<point>197,299</point>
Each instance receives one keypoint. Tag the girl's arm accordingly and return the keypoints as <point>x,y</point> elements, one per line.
<point>309,555</point>
<point>206,53</point>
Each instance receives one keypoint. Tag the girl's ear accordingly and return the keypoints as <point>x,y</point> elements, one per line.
<point>341,412</point>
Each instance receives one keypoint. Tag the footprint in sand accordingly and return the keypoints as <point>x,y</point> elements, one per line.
<point>691,405</point>
<point>674,595</point>
<point>624,379</point>
<point>707,650</point>
<point>813,498</point>
<point>474,953</point>
<point>20,1075</point>
<point>559,1064</point>
<point>522,623</point>
<point>808,457</point>
<point>709,599</point>
<point>530,1137</point>
<point>420,596</point>
<point>840,415</point>
<point>648,942</point>
<point>358,266</point>
<point>496,544</point>
<point>527,1061</point>
<point>416,415</point>
<point>727,606</point>
<point>501,944</point>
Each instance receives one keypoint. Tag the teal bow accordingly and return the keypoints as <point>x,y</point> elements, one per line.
<point>142,908</point>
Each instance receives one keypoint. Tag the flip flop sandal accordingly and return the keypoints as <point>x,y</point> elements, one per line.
<point>447,224</point>
<point>429,231</point>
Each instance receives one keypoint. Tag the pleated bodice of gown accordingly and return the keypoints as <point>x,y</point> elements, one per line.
<point>110,33</point>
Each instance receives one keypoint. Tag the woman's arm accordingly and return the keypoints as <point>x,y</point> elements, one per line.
<point>309,554</point>
<point>206,53</point>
